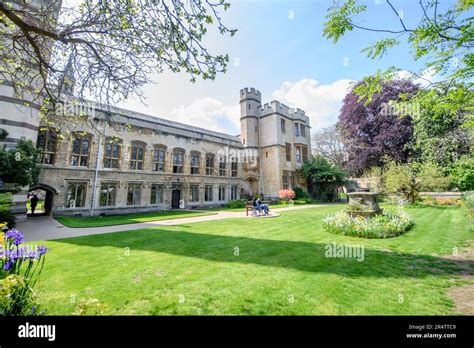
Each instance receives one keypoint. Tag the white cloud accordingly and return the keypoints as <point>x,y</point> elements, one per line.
<point>320,102</point>
<point>425,79</point>
<point>209,113</point>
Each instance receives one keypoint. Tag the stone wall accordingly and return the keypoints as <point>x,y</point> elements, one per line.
<point>61,173</point>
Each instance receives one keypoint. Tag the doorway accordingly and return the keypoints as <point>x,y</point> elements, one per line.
<point>175,198</point>
<point>45,196</point>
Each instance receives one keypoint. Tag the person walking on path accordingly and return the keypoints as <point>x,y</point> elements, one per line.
<point>33,203</point>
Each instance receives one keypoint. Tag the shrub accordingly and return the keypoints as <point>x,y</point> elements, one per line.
<point>386,225</point>
<point>21,266</point>
<point>468,203</point>
<point>427,200</point>
<point>302,201</point>
<point>431,178</point>
<point>300,193</point>
<point>448,201</point>
<point>286,194</point>
<point>462,174</point>
<point>375,180</point>
<point>400,178</point>
<point>5,214</point>
<point>17,297</point>
<point>324,178</point>
<point>238,203</point>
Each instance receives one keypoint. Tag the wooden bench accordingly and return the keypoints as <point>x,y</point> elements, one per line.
<point>249,206</point>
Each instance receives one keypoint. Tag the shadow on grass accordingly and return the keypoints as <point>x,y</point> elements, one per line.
<point>297,255</point>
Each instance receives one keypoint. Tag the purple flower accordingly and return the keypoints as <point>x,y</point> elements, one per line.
<point>33,255</point>
<point>14,235</point>
<point>42,249</point>
<point>8,265</point>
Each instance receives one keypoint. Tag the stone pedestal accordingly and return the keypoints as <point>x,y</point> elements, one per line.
<point>364,204</point>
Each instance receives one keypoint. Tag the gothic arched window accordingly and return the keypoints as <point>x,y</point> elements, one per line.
<point>178,160</point>
<point>137,155</point>
<point>47,143</point>
<point>112,151</point>
<point>80,150</point>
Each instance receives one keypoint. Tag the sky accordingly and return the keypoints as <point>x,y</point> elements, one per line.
<point>279,49</point>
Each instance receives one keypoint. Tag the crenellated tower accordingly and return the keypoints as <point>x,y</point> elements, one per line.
<point>250,104</point>
<point>281,137</point>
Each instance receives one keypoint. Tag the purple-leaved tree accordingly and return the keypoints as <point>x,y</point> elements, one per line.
<point>377,129</point>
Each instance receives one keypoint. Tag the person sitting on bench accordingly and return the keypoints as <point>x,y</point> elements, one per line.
<point>257,209</point>
<point>265,209</point>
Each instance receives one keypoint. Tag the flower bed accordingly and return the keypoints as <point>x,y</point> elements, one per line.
<point>386,225</point>
<point>20,266</point>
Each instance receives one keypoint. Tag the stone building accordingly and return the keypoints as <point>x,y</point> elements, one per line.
<point>116,161</point>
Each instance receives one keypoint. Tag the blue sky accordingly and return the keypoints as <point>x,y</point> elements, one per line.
<point>279,49</point>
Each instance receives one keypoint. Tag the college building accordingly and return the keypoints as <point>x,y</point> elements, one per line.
<point>113,161</point>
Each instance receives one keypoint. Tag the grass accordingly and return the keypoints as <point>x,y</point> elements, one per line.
<point>272,206</point>
<point>112,220</point>
<point>39,206</point>
<point>258,267</point>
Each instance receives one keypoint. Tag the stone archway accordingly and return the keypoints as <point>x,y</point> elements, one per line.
<point>251,185</point>
<point>49,192</point>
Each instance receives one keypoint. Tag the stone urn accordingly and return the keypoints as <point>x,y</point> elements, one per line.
<point>363,204</point>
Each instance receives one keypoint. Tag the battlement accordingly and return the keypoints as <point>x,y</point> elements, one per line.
<point>250,93</point>
<point>277,107</point>
<point>274,106</point>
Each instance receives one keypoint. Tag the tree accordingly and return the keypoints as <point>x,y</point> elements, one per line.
<point>286,194</point>
<point>444,40</point>
<point>20,164</point>
<point>440,134</point>
<point>323,177</point>
<point>462,173</point>
<point>105,50</point>
<point>327,143</point>
<point>375,130</point>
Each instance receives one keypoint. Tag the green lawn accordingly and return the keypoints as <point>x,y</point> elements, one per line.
<point>258,267</point>
<point>99,221</point>
<point>272,206</point>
